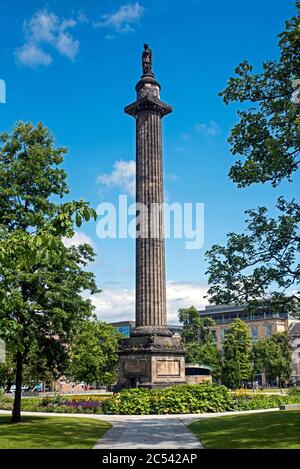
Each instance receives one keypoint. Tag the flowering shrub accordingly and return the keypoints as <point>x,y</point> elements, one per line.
<point>130,401</point>
<point>58,403</point>
<point>182,399</point>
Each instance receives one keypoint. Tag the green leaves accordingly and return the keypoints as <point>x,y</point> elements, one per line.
<point>272,356</point>
<point>62,220</point>
<point>266,256</point>
<point>29,175</point>
<point>93,353</point>
<point>236,364</point>
<point>267,136</point>
<point>198,340</point>
<point>181,399</point>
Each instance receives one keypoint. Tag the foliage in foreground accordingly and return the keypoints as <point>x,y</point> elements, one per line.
<point>180,399</point>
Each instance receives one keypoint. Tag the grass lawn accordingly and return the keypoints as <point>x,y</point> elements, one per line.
<point>51,432</point>
<point>266,430</point>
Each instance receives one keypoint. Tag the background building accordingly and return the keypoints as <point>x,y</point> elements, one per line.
<point>262,323</point>
<point>125,327</point>
<point>294,333</point>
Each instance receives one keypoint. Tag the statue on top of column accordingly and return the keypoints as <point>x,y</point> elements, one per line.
<point>147,60</point>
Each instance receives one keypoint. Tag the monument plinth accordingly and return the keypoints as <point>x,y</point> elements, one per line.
<point>151,356</point>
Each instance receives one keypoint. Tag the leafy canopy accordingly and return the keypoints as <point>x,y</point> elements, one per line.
<point>236,361</point>
<point>267,135</point>
<point>273,357</point>
<point>93,353</point>
<point>198,340</point>
<point>263,263</point>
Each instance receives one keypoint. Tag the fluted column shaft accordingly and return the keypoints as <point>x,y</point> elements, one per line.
<point>150,254</point>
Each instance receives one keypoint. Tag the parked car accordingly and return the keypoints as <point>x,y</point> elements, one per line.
<point>13,388</point>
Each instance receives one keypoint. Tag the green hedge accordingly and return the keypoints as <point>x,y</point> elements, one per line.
<point>130,401</point>
<point>183,399</point>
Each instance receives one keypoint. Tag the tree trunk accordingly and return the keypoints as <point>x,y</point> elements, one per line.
<point>16,414</point>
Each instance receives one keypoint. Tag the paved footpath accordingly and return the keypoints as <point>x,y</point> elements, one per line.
<point>147,431</point>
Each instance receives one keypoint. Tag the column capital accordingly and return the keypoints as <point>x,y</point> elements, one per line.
<point>148,103</point>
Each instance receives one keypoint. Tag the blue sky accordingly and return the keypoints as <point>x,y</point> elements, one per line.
<point>73,65</point>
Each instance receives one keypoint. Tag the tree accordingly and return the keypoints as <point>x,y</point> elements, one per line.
<point>264,262</point>
<point>40,279</point>
<point>198,340</point>
<point>273,357</point>
<point>93,353</point>
<point>236,365</point>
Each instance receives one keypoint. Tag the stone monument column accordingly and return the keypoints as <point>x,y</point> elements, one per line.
<point>148,110</point>
<point>152,356</point>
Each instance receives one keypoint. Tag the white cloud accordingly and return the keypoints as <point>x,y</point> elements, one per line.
<point>121,177</point>
<point>78,238</point>
<point>32,55</point>
<point>212,128</point>
<point>184,295</point>
<point>123,19</point>
<point>118,304</point>
<point>46,29</point>
<point>114,304</point>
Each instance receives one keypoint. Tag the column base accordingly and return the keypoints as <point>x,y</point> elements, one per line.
<point>151,362</point>
<point>151,331</point>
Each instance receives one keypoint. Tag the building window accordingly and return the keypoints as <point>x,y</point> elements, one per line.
<point>224,332</point>
<point>268,330</point>
<point>254,332</point>
<point>124,330</point>
<point>214,335</point>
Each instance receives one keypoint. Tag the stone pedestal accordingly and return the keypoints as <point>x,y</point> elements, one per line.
<point>151,362</point>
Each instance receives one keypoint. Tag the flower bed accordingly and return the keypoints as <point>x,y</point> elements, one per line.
<point>86,404</point>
